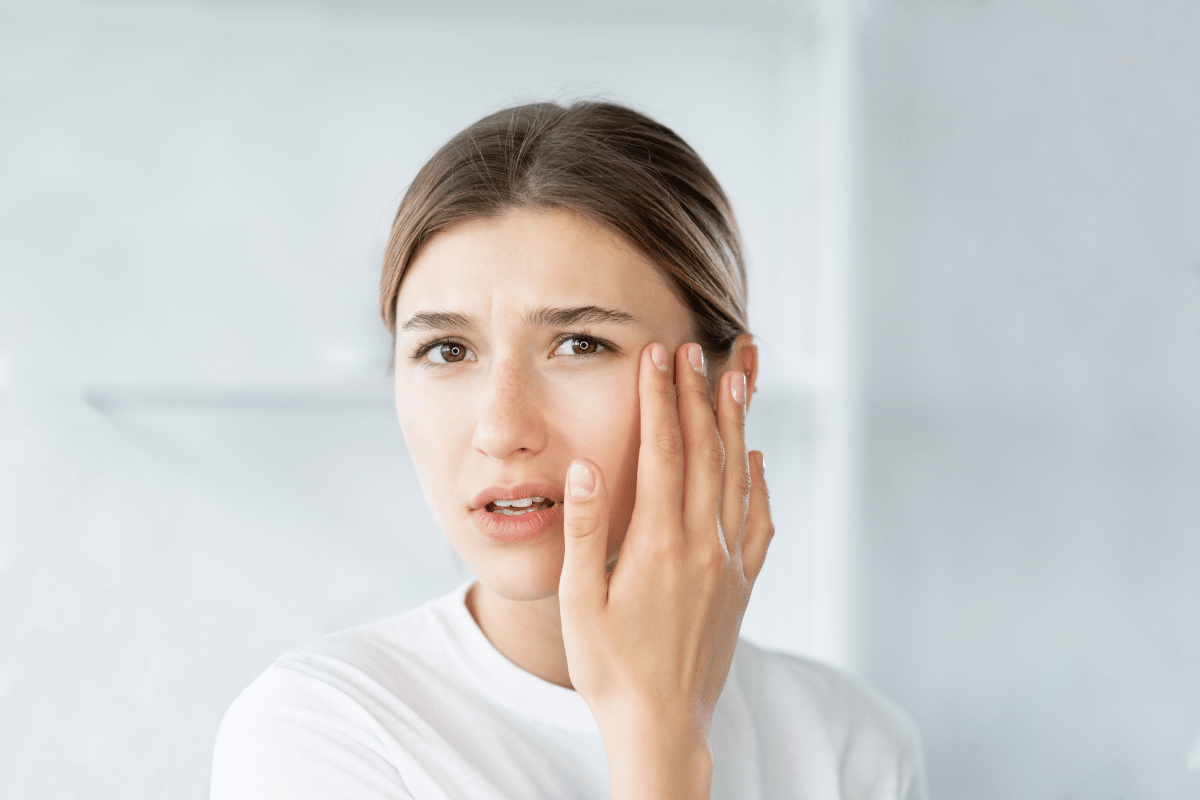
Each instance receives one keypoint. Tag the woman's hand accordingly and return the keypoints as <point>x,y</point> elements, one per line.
<point>649,645</point>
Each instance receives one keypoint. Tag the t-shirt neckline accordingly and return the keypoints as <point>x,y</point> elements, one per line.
<point>501,679</point>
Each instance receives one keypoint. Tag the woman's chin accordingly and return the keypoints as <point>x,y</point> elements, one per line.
<point>526,575</point>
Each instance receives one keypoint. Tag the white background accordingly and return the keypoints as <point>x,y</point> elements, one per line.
<point>974,234</point>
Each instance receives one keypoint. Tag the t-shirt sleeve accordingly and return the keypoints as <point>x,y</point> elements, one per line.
<point>883,758</point>
<point>290,735</point>
<point>916,783</point>
<point>821,732</point>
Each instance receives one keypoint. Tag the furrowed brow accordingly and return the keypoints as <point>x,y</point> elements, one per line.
<point>437,321</point>
<point>576,315</point>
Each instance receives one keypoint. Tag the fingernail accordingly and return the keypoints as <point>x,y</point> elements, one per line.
<point>737,387</point>
<point>658,354</point>
<point>696,356</point>
<point>580,481</point>
<point>762,463</point>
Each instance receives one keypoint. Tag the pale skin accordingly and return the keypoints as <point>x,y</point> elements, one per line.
<point>539,346</point>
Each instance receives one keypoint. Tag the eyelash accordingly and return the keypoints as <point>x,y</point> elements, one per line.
<point>424,349</point>
<point>602,345</point>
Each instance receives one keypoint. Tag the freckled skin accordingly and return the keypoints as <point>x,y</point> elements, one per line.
<point>518,412</point>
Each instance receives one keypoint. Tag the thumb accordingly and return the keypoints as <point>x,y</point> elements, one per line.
<point>584,579</point>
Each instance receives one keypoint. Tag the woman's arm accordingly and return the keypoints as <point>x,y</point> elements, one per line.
<point>649,645</point>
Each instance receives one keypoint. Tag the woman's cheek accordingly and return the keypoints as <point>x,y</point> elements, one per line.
<point>600,421</point>
<point>434,427</point>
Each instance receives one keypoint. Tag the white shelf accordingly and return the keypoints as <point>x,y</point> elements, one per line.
<point>364,396</point>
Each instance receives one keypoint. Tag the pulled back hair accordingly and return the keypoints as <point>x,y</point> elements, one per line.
<point>605,162</point>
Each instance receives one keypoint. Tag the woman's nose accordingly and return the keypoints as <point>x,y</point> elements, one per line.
<point>510,421</point>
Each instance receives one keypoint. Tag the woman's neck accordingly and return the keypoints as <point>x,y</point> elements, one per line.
<point>527,632</point>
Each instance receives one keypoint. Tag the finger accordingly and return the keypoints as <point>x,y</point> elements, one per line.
<point>731,424</point>
<point>704,455</point>
<point>759,528</point>
<point>583,584</point>
<point>660,453</point>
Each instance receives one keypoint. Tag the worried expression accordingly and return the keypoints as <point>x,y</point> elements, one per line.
<point>517,347</point>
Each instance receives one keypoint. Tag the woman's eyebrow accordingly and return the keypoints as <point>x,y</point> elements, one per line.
<point>547,317</point>
<point>552,317</point>
<point>437,321</point>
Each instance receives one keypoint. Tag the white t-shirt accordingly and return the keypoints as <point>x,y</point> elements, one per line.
<point>422,706</point>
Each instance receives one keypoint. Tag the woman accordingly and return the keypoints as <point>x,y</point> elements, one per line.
<point>573,367</point>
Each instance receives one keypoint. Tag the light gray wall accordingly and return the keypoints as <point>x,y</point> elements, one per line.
<point>199,463</point>
<point>1031,341</point>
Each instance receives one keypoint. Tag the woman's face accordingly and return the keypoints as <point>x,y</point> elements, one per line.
<point>517,347</point>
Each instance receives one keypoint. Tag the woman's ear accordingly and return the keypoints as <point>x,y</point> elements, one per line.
<point>744,358</point>
<point>744,346</point>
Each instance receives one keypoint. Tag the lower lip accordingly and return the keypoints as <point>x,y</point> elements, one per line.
<point>521,528</point>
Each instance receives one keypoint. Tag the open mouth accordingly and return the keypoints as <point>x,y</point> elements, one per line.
<point>515,508</point>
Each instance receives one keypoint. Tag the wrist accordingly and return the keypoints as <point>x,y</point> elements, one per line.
<point>653,759</point>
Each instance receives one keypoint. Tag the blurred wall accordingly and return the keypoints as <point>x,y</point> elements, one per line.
<point>1031,339</point>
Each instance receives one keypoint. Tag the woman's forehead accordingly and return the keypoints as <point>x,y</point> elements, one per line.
<point>525,262</point>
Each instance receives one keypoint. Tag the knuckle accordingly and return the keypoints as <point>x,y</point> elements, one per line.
<point>570,593</point>
<point>667,549</point>
<point>668,441</point>
<point>711,558</point>
<point>742,483</point>
<point>582,523</point>
<point>712,453</point>
<point>734,413</point>
<point>760,497</point>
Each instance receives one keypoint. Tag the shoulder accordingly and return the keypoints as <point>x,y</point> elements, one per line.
<point>805,704</point>
<point>311,722</point>
<point>292,734</point>
<point>845,702</point>
<point>376,652</point>
<point>363,666</point>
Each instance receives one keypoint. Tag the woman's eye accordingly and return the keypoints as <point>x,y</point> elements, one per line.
<point>578,346</point>
<point>449,353</point>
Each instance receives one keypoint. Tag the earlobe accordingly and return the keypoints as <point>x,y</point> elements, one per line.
<point>743,358</point>
<point>745,353</point>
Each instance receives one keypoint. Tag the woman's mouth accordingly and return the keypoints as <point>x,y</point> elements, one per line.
<point>516,508</point>
<point>517,513</point>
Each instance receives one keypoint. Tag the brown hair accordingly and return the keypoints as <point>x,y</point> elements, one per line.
<point>605,162</point>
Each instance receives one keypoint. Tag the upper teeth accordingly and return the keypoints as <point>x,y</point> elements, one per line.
<point>524,502</point>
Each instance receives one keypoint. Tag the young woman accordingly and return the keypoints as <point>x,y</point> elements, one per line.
<point>573,369</point>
